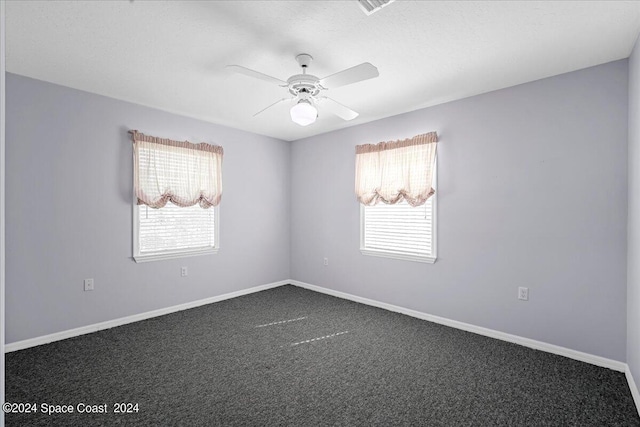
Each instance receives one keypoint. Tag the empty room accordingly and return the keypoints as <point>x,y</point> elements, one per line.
<point>320,213</point>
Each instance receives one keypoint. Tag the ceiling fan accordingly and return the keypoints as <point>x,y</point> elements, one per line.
<point>307,90</point>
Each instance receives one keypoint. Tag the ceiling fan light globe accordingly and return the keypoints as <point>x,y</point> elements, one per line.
<point>303,113</point>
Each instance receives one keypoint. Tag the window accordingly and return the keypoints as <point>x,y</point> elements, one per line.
<point>177,191</point>
<point>172,231</point>
<point>395,185</point>
<point>400,230</point>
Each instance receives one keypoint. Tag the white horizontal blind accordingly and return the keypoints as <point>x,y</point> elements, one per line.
<point>175,229</point>
<point>399,229</point>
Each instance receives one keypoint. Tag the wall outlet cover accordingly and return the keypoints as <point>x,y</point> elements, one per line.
<point>523,293</point>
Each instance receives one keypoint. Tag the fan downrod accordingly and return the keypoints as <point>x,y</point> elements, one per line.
<point>304,85</point>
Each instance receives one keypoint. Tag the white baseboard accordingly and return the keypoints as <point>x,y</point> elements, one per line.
<point>634,388</point>
<point>32,342</point>
<point>538,345</point>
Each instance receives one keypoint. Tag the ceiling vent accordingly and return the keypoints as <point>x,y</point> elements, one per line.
<point>371,6</point>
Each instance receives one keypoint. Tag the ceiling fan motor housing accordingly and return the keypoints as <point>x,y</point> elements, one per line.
<point>303,83</point>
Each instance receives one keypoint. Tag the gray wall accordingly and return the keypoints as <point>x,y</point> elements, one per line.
<point>2,200</point>
<point>69,216</point>
<point>532,191</point>
<point>633,239</point>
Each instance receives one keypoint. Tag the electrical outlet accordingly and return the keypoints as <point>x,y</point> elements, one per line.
<point>523,293</point>
<point>88,284</point>
<point>184,272</point>
<point>326,262</point>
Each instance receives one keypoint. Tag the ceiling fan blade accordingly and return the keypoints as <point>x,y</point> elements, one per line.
<point>255,74</point>
<point>275,103</point>
<point>351,75</point>
<point>333,106</point>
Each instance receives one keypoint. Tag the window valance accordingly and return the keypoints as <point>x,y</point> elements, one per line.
<point>392,171</point>
<point>176,171</point>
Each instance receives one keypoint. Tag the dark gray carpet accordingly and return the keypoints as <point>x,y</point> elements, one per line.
<point>289,356</point>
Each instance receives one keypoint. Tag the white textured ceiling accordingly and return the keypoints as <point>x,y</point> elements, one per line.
<point>171,54</point>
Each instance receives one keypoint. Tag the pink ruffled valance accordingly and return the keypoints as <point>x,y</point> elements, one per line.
<point>393,171</point>
<point>176,171</point>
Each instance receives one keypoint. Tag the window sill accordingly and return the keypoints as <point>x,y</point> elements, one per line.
<point>405,257</point>
<point>172,255</point>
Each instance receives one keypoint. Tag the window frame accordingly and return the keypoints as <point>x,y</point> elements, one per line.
<point>408,257</point>
<point>172,254</point>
